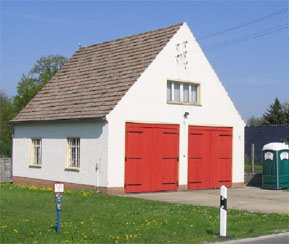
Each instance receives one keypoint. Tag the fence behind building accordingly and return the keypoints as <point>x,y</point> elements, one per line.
<point>261,135</point>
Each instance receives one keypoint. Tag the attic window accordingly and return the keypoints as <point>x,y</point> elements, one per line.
<point>183,92</point>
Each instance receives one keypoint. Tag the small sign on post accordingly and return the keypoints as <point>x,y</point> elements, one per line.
<point>58,189</point>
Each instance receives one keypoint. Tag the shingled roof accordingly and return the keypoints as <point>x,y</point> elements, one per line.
<point>95,78</point>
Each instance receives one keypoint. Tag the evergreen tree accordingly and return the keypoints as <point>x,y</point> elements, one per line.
<point>275,114</point>
<point>285,107</point>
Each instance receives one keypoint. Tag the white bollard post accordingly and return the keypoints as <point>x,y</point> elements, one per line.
<point>223,211</point>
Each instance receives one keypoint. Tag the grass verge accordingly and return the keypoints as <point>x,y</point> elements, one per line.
<point>28,215</point>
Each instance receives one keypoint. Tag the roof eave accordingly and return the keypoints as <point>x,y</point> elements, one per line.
<point>102,118</point>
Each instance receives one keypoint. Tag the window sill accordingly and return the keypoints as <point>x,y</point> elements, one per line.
<point>183,103</point>
<point>34,166</point>
<point>72,169</point>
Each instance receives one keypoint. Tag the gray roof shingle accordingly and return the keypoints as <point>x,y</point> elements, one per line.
<point>95,78</point>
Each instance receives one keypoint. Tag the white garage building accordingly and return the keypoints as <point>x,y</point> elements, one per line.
<point>138,114</point>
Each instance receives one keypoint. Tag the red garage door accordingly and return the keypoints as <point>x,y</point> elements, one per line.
<point>151,162</point>
<point>210,157</point>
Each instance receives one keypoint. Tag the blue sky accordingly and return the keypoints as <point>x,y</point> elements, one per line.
<point>253,72</point>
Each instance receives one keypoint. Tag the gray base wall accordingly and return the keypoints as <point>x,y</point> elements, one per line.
<point>5,170</point>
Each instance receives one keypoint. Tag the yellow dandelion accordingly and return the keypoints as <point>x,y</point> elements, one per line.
<point>3,226</point>
<point>16,231</point>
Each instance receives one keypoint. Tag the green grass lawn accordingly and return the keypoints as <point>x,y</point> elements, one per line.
<point>28,215</point>
<point>257,165</point>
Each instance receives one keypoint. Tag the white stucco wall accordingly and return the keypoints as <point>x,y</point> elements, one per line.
<point>93,150</point>
<point>146,102</point>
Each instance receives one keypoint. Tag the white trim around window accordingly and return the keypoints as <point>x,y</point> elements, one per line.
<point>36,152</point>
<point>183,92</point>
<point>73,153</point>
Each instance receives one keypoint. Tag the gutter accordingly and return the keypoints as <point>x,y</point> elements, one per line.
<point>102,118</point>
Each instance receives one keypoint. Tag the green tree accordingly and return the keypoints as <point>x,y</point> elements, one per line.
<point>275,114</point>
<point>30,84</point>
<point>285,107</point>
<point>256,121</point>
<point>44,69</point>
<point>7,113</point>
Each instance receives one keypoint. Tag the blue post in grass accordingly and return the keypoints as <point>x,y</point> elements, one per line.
<point>58,189</point>
<point>58,200</point>
<point>58,220</point>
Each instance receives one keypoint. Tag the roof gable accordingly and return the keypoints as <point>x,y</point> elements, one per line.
<point>96,77</point>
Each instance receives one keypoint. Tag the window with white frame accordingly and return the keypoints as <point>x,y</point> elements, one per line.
<point>36,152</point>
<point>73,154</point>
<point>183,92</point>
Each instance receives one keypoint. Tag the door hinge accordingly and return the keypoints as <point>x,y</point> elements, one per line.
<point>125,159</point>
<point>177,183</point>
<point>178,159</point>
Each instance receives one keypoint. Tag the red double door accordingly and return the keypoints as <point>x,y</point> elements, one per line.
<point>210,157</point>
<point>151,160</point>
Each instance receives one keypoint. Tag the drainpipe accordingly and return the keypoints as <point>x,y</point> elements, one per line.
<point>11,156</point>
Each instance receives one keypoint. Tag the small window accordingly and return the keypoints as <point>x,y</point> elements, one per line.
<point>194,93</point>
<point>186,91</point>
<point>183,92</point>
<point>73,146</point>
<point>36,152</point>
<point>170,92</point>
<point>177,94</point>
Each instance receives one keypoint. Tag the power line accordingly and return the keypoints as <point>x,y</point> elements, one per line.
<point>248,37</point>
<point>281,11</point>
<point>244,38</point>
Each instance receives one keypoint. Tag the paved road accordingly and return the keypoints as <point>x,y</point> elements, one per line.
<point>282,238</point>
<point>246,198</point>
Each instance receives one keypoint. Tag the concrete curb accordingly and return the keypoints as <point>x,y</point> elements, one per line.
<point>253,239</point>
